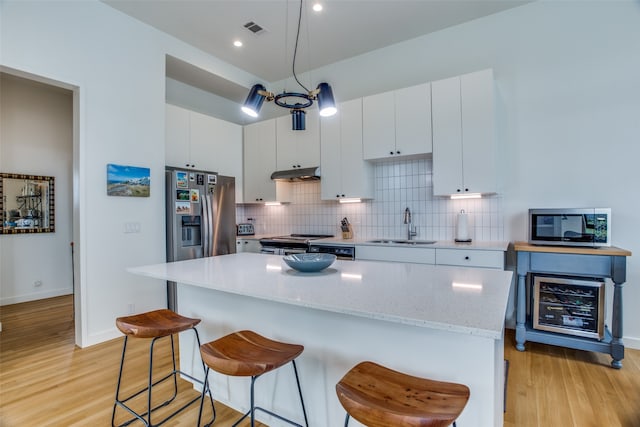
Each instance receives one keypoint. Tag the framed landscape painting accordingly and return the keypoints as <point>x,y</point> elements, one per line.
<point>128,181</point>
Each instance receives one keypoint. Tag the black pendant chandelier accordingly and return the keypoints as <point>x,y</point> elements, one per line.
<point>294,101</point>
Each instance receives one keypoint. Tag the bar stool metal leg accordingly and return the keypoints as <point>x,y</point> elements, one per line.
<point>122,402</point>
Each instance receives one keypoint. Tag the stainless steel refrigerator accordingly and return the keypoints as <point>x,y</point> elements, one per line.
<point>200,217</point>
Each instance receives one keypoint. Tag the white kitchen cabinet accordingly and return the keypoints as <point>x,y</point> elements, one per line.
<point>479,258</point>
<point>395,253</point>
<point>260,163</point>
<point>470,258</point>
<point>344,172</point>
<point>198,141</point>
<point>464,134</point>
<point>248,245</point>
<point>298,148</point>
<point>397,123</point>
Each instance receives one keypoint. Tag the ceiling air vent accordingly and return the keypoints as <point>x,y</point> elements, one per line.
<point>254,28</point>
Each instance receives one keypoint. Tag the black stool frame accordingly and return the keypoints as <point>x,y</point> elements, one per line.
<point>173,374</point>
<point>253,409</point>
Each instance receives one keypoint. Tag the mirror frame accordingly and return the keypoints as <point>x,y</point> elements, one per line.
<point>52,208</point>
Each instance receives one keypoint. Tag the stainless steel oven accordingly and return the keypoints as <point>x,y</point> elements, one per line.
<point>341,252</point>
<point>290,244</point>
<point>569,305</point>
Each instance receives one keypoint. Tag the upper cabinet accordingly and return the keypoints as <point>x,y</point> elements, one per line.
<point>464,135</point>
<point>260,163</point>
<point>344,172</point>
<point>198,141</point>
<point>397,123</point>
<point>298,148</point>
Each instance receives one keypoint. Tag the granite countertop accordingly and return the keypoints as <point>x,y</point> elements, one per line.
<point>463,300</point>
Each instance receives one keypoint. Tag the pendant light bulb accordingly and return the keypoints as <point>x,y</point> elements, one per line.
<point>326,102</point>
<point>254,101</point>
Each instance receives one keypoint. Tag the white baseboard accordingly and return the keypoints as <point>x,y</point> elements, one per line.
<point>631,342</point>
<point>101,337</point>
<point>35,296</point>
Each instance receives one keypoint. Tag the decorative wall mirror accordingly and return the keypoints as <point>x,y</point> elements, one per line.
<point>27,203</point>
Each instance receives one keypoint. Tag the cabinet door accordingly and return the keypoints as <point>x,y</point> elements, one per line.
<point>298,148</point>
<point>227,152</point>
<point>413,120</point>
<point>378,126</point>
<point>478,144</point>
<point>259,161</point>
<point>177,137</point>
<point>470,258</point>
<point>331,156</point>
<point>203,136</point>
<point>286,144</point>
<point>447,137</point>
<point>357,174</point>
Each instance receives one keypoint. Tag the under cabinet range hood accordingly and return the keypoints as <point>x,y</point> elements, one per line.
<point>293,175</point>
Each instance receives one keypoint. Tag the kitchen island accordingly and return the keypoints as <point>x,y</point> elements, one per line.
<point>444,323</point>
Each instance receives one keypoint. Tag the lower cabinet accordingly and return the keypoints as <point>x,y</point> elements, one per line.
<point>397,254</point>
<point>470,258</point>
<point>248,245</point>
<point>439,256</point>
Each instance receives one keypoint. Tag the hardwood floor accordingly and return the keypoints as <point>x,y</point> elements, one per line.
<point>46,381</point>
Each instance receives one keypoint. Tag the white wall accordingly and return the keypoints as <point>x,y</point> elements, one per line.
<point>36,138</point>
<point>117,66</point>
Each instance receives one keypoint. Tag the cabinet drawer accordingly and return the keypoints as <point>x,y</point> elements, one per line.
<point>470,258</point>
<point>397,254</point>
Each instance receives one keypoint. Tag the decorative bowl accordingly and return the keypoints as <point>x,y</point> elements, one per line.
<point>309,263</point>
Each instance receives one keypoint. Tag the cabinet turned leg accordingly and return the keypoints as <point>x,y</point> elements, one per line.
<point>521,313</point>
<point>617,346</point>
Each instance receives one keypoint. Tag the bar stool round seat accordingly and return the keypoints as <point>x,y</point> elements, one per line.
<point>248,354</point>
<point>378,396</point>
<point>155,325</point>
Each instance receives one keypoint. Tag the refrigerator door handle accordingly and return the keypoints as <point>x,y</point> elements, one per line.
<point>206,223</point>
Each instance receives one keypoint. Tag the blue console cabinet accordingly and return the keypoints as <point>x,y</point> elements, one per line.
<point>605,262</point>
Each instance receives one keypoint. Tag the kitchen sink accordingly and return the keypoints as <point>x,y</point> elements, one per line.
<point>402,242</point>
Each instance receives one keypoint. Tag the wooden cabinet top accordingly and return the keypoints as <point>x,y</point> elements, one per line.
<point>577,250</point>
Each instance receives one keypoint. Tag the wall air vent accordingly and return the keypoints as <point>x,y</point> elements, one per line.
<point>254,28</point>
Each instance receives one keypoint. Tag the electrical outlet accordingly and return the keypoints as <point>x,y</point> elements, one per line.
<point>37,283</point>
<point>132,227</point>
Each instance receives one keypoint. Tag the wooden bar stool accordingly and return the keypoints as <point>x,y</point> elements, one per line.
<point>380,397</point>
<point>248,354</point>
<point>155,325</point>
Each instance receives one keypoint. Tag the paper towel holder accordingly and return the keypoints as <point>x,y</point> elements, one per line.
<point>462,230</point>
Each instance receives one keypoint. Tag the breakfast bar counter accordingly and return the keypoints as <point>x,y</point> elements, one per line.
<point>444,323</point>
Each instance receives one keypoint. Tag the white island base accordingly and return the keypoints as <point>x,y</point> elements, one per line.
<point>337,333</point>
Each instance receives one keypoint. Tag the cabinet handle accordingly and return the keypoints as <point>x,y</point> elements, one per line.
<point>458,190</point>
<point>343,195</point>
<point>337,195</point>
<point>298,165</point>
<point>391,152</point>
<point>398,152</point>
<point>466,189</point>
<point>466,258</point>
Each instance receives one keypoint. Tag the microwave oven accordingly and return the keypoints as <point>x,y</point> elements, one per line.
<point>570,227</point>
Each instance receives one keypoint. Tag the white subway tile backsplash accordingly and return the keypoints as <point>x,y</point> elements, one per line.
<point>398,184</point>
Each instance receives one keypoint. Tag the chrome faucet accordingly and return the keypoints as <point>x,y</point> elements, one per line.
<point>407,220</point>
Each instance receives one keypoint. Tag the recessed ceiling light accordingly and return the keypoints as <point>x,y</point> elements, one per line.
<point>237,43</point>
<point>317,7</point>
